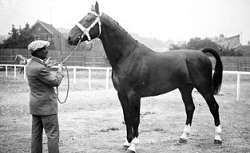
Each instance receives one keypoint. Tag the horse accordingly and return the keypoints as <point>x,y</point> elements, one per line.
<point>21,60</point>
<point>138,71</point>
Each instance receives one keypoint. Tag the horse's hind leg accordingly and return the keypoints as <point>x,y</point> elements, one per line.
<point>186,93</point>
<point>214,109</point>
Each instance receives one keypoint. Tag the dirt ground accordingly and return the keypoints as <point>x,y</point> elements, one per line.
<point>92,121</point>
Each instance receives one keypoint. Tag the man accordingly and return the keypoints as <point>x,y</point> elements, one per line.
<point>43,99</point>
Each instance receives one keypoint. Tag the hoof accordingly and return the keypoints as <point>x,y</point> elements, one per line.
<point>181,140</point>
<point>125,147</point>
<point>217,142</point>
<point>130,151</point>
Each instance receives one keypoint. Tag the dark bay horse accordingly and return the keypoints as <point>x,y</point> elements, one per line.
<point>138,71</point>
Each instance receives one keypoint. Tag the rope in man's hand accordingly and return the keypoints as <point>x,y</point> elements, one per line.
<point>60,70</point>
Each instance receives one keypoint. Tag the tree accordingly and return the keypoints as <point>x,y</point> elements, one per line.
<point>12,40</point>
<point>177,47</point>
<point>198,43</point>
<point>25,36</point>
<point>18,38</point>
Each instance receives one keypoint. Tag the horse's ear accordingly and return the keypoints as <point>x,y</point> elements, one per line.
<point>92,7</point>
<point>97,7</point>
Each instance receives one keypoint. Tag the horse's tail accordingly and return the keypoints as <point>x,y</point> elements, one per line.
<point>218,70</point>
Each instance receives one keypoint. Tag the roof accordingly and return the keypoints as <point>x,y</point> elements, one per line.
<point>49,27</point>
<point>229,38</point>
<point>232,37</point>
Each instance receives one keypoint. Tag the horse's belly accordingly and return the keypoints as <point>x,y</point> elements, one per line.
<point>155,89</point>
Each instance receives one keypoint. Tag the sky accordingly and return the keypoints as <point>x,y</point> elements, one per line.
<point>177,20</point>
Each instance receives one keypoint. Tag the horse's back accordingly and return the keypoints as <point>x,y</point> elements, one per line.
<point>195,57</point>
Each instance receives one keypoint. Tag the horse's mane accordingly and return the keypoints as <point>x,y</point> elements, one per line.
<point>114,24</point>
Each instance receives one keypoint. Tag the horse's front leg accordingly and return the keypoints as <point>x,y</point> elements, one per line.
<point>125,107</point>
<point>134,109</point>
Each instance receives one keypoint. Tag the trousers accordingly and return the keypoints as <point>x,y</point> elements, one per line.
<point>51,127</point>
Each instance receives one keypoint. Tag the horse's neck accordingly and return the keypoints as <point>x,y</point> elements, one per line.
<point>117,43</point>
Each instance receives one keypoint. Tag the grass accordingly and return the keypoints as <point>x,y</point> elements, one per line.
<point>92,120</point>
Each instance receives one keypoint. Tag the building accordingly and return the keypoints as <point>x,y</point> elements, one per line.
<point>91,54</point>
<point>228,42</point>
<point>44,31</point>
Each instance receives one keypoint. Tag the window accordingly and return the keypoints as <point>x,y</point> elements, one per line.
<point>49,38</point>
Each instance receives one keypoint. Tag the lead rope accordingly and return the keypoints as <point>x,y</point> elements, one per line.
<point>67,93</point>
<point>67,71</point>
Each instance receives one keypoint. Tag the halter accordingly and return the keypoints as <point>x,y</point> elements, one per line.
<point>86,30</point>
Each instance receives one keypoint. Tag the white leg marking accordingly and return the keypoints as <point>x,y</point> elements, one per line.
<point>132,147</point>
<point>126,143</point>
<point>134,142</point>
<point>186,132</point>
<point>218,131</point>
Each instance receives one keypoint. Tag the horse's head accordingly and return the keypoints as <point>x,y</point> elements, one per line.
<point>86,29</point>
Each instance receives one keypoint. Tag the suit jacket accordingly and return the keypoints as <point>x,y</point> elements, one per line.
<point>42,80</point>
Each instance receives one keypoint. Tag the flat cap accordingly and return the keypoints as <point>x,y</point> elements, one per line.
<point>37,44</point>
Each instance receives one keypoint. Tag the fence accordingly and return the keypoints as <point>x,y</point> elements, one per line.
<point>79,57</point>
<point>107,75</point>
<point>97,57</point>
<point>6,67</point>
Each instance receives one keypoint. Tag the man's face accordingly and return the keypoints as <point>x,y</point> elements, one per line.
<point>43,53</point>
